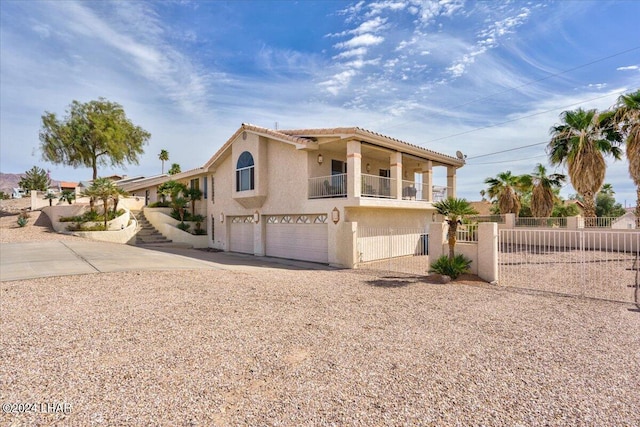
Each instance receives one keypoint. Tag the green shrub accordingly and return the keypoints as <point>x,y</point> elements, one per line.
<point>23,218</point>
<point>184,226</point>
<point>91,216</point>
<point>199,232</point>
<point>452,268</point>
<point>159,205</point>
<point>81,227</point>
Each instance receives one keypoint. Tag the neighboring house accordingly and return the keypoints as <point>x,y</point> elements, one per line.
<point>302,194</point>
<point>66,185</point>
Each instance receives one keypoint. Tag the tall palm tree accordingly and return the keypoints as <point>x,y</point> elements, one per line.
<point>580,142</point>
<point>627,116</point>
<point>163,156</point>
<point>455,210</point>
<point>543,197</point>
<point>505,188</point>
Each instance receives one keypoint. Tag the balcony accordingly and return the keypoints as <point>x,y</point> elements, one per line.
<point>373,186</point>
<point>329,186</point>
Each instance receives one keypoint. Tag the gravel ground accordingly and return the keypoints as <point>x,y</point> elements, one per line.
<point>283,347</point>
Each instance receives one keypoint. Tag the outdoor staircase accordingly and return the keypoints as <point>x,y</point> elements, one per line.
<point>147,234</point>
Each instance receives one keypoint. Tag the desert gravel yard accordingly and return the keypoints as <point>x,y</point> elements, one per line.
<point>312,348</point>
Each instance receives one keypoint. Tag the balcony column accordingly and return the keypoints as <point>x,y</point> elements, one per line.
<point>396,174</point>
<point>354,169</point>
<point>427,182</point>
<point>451,181</point>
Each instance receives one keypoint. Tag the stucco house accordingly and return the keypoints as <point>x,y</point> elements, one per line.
<point>302,194</point>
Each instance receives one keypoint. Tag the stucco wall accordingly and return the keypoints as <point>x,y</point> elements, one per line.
<point>126,235</point>
<point>167,226</point>
<point>56,212</point>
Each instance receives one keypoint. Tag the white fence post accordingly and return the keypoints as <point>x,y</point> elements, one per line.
<point>488,251</point>
<point>437,238</point>
<point>509,220</point>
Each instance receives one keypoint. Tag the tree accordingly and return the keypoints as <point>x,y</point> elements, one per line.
<point>580,143</point>
<point>116,198</point>
<point>174,169</point>
<point>35,179</point>
<point>627,116</point>
<point>68,196</point>
<point>103,189</point>
<point>455,210</point>
<point>50,197</point>
<point>96,133</point>
<point>506,187</point>
<point>164,157</point>
<point>543,197</point>
<point>606,205</point>
<point>193,194</point>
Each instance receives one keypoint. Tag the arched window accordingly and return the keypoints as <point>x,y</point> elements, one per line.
<point>245,172</point>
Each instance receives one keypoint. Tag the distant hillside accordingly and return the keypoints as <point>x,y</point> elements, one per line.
<point>9,181</point>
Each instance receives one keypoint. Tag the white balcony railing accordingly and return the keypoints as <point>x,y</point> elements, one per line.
<point>328,186</point>
<point>378,186</point>
<point>440,193</point>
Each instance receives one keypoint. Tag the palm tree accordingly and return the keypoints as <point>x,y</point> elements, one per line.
<point>543,197</point>
<point>103,189</point>
<point>164,157</point>
<point>505,187</point>
<point>193,194</point>
<point>581,142</point>
<point>455,210</point>
<point>68,196</point>
<point>607,189</point>
<point>627,116</point>
<point>116,198</point>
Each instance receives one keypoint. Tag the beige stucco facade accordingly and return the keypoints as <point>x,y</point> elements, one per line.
<point>310,185</point>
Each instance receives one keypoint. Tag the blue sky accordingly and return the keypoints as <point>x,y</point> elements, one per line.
<point>479,77</point>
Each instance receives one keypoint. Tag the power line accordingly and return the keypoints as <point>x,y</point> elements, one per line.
<point>506,161</point>
<point>519,118</point>
<point>509,149</point>
<point>530,82</point>
<point>549,76</point>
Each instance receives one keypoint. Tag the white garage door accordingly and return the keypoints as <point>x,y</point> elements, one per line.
<point>241,234</point>
<point>302,237</point>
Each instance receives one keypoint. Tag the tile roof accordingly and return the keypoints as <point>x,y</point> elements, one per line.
<point>362,132</point>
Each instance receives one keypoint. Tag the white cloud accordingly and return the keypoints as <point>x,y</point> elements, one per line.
<point>360,51</point>
<point>628,68</point>
<point>362,40</point>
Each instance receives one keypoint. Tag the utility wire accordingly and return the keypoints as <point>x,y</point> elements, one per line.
<point>530,82</point>
<point>509,149</point>
<point>549,76</point>
<point>506,161</point>
<point>519,118</point>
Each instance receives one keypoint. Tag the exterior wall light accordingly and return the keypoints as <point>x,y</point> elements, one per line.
<point>335,215</point>
<point>221,217</point>
<point>368,167</point>
<point>256,217</point>
<point>320,159</point>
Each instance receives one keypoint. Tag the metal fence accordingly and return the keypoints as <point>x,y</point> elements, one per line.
<point>550,222</point>
<point>500,219</point>
<point>591,263</point>
<point>393,249</point>
<point>467,233</point>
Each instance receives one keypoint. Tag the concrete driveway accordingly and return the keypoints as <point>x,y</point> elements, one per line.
<point>30,260</point>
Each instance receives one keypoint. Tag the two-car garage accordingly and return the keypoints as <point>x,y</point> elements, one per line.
<point>300,237</point>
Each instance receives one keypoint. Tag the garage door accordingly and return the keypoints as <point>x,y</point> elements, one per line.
<point>302,237</point>
<point>241,234</point>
